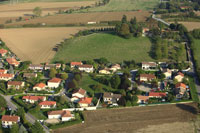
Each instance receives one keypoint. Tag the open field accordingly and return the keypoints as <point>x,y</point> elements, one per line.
<point>113,47</point>
<point>36,44</point>
<point>83,18</point>
<point>191,25</point>
<point>152,119</point>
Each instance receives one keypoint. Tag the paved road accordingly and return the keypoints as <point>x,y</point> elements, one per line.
<point>161,20</point>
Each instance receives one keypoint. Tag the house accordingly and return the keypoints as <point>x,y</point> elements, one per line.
<point>115,67</point>
<point>75,64</point>
<point>49,66</point>
<point>105,71</point>
<point>168,73</point>
<point>78,94</point>
<point>13,62</point>
<point>36,67</point>
<point>3,52</point>
<point>157,94</point>
<point>86,68</point>
<point>47,104</point>
<point>181,88</point>
<point>85,102</point>
<point>145,31</point>
<point>179,77</point>
<point>33,99</point>
<point>184,7</point>
<point>147,77</point>
<point>64,115</point>
<point>54,82</point>
<point>9,120</point>
<point>15,84</point>
<point>6,76</point>
<point>30,75</point>
<point>111,98</point>
<point>142,99</point>
<point>149,65</point>
<point>39,87</point>
<point>3,71</point>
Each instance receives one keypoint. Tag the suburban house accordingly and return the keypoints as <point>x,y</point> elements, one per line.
<point>9,120</point>
<point>13,62</point>
<point>115,67</point>
<point>78,94</point>
<point>179,77</point>
<point>149,65</point>
<point>6,76</point>
<point>3,52</point>
<point>142,99</point>
<point>86,68</point>
<point>54,82</point>
<point>157,94</point>
<point>47,104</point>
<point>49,66</point>
<point>36,67</point>
<point>64,115</point>
<point>180,88</point>
<point>145,31</point>
<point>39,87</point>
<point>111,98</point>
<point>168,73</point>
<point>75,64</point>
<point>85,102</point>
<point>147,77</point>
<point>30,75</point>
<point>3,71</point>
<point>105,71</point>
<point>15,84</point>
<point>33,99</point>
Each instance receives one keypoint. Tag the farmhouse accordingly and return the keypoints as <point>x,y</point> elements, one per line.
<point>85,102</point>
<point>64,115</point>
<point>6,76</point>
<point>39,87</point>
<point>179,77</point>
<point>30,75</point>
<point>168,73</point>
<point>149,65</point>
<point>13,62</point>
<point>147,77</point>
<point>157,94</point>
<point>86,68</point>
<point>15,84</point>
<point>142,99</point>
<point>105,71</point>
<point>78,94</point>
<point>8,120</point>
<point>47,104</point>
<point>111,98</point>
<point>33,99</point>
<point>75,64</point>
<point>115,67</point>
<point>36,67</point>
<point>3,52</point>
<point>3,71</point>
<point>54,82</point>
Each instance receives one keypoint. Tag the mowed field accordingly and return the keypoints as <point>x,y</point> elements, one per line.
<point>197,49</point>
<point>83,18</point>
<point>112,47</point>
<point>36,44</point>
<point>152,119</point>
<point>191,25</point>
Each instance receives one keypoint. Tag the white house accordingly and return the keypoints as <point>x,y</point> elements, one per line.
<point>115,67</point>
<point>85,102</point>
<point>167,73</point>
<point>149,65</point>
<point>147,77</point>
<point>105,71</point>
<point>33,99</point>
<point>78,94</point>
<point>75,64</point>
<point>157,94</point>
<point>15,84</point>
<point>9,120</point>
<point>86,68</point>
<point>179,77</point>
<point>36,67</point>
<point>6,76</point>
<point>3,71</point>
<point>47,104</point>
<point>54,82</point>
<point>142,99</point>
<point>111,98</point>
<point>64,115</point>
<point>39,87</point>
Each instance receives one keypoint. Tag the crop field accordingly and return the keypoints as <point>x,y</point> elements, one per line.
<point>36,44</point>
<point>191,25</point>
<point>112,47</point>
<point>83,18</point>
<point>177,118</point>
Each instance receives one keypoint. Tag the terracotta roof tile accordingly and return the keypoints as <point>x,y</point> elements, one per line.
<point>10,118</point>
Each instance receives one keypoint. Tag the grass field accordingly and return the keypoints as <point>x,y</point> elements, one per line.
<point>151,119</point>
<point>197,49</point>
<point>191,25</point>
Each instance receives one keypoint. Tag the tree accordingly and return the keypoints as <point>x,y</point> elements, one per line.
<point>115,81</point>
<point>3,102</point>
<point>124,19</point>
<point>134,100</point>
<point>14,128</point>
<point>20,112</point>
<point>37,128</point>
<point>73,84</point>
<point>64,76</point>
<point>158,52</point>
<point>124,30</point>
<point>52,72</point>
<point>102,60</point>
<point>77,77</point>
<point>133,21</point>
<point>128,103</point>
<point>126,83</point>
<point>37,11</point>
<point>62,100</point>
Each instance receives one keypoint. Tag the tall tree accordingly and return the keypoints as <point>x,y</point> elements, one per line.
<point>52,72</point>
<point>14,128</point>
<point>115,81</point>
<point>37,11</point>
<point>124,19</point>
<point>124,30</point>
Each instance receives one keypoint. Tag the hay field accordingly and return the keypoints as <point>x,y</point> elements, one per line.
<point>35,44</point>
<point>191,25</point>
<point>152,119</point>
<point>83,18</point>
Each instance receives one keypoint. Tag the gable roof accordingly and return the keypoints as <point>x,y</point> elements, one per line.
<point>180,85</point>
<point>2,70</point>
<point>63,113</point>
<point>111,95</point>
<point>181,74</point>
<point>10,118</point>
<point>85,100</point>
<point>145,98</point>
<point>55,80</point>
<point>12,61</point>
<point>40,85</point>
<point>3,51</point>
<point>85,66</point>
<point>6,75</point>
<point>76,63</point>
<point>80,91</point>
<point>15,83</point>
<point>149,76</point>
<point>35,98</point>
<point>149,63</point>
<point>29,74</point>
<point>157,94</point>
<point>47,103</point>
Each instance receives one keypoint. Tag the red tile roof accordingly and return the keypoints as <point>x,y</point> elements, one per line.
<point>85,66</point>
<point>63,113</point>
<point>15,83</point>
<point>6,75</point>
<point>40,85</point>
<point>76,63</point>
<point>35,98</point>
<point>80,91</point>
<point>12,61</point>
<point>153,64</point>
<point>3,51</point>
<point>10,118</point>
<point>145,98</point>
<point>85,100</point>
<point>55,80</point>
<point>149,76</point>
<point>47,103</point>
<point>157,94</point>
<point>180,85</point>
<point>180,73</point>
<point>2,70</point>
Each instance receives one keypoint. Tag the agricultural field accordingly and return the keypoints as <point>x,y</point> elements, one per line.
<point>112,47</point>
<point>36,44</point>
<point>83,18</point>
<point>177,118</point>
<point>191,25</point>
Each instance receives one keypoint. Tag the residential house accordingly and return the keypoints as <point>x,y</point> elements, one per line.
<point>36,67</point>
<point>33,99</point>
<point>9,120</point>
<point>86,68</point>
<point>6,76</point>
<point>179,77</point>
<point>149,65</point>
<point>54,82</point>
<point>147,77</point>
<point>85,102</point>
<point>115,67</point>
<point>64,115</point>
<point>145,31</point>
<point>111,98</point>
<point>39,87</point>
<point>78,94</point>
<point>168,73</point>
<point>3,71</point>
<point>75,64</point>
<point>3,52</point>
<point>142,99</point>
<point>30,75</point>
<point>47,104</point>
<point>105,71</point>
<point>157,94</point>
<point>15,84</point>
<point>180,88</point>
<point>49,66</point>
<point>13,62</point>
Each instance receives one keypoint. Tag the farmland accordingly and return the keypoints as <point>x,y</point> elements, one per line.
<point>114,48</point>
<point>166,118</point>
<point>191,25</point>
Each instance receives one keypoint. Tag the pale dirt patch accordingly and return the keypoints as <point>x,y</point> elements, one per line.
<point>52,121</point>
<point>191,25</point>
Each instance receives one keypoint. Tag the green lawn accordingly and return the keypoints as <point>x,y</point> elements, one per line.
<point>112,47</point>
<point>197,50</point>
<point>125,5</point>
